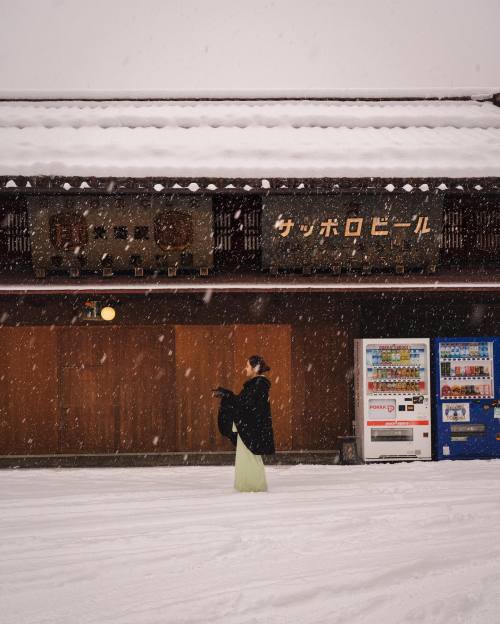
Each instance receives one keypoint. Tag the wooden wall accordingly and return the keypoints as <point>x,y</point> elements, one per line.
<point>143,383</point>
<point>322,365</point>
<point>107,389</point>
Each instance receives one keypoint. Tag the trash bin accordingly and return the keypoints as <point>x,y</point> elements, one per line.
<point>348,450</point>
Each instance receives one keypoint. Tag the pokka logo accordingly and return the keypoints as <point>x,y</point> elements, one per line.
<point>388,408</point>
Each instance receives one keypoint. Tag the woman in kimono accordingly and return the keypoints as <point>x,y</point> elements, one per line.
<point>245,418</point>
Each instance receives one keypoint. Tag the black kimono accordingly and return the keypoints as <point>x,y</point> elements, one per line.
<point>251,413</point>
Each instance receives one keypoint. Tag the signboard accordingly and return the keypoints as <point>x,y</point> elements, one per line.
<point>326,231</point>
<point>120,232</point>
<point>352,227</point>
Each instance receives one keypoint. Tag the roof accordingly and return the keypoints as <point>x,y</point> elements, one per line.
<point>241,139</point>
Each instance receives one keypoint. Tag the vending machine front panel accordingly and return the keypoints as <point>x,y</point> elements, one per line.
<point>392,399</point>
<point>467,398</point>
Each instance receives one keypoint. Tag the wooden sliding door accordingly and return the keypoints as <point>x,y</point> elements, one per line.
<point>140,389</point>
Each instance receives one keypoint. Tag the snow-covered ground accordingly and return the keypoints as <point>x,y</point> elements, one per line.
<point>362,544</point>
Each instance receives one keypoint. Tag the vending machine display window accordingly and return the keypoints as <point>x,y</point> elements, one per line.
<point>466,370</point>
<point>396,369</point>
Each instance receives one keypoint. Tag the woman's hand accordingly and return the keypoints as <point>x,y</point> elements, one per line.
<point>221,393</point>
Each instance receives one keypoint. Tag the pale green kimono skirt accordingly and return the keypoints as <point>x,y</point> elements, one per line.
<point>249,472</point>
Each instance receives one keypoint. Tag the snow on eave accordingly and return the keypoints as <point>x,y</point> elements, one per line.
<point>305,139</point>
<point>76,184</point>
<point>250,114</point>
<point>264,153</point>
<point>470,91</point>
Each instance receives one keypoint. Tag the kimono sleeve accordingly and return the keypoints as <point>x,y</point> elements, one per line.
<point>226,418</point>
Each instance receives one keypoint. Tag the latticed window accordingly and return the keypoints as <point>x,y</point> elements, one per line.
<point>17,229</point>
<point>238,233</point>
<point>454,231</point>
<point>14,229</point>
<point>488,231</point>
<point>471,229</point>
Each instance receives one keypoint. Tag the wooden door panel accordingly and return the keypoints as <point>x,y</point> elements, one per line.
<point>322,356</point>
<point>87,417</point>
<point>118,389</point>
<point>28,390</point>
<point>88,393</point>
<point>147,389</point>
<point>204,360</point>
<point>84,346</point>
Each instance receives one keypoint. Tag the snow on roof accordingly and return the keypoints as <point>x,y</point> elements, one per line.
<point>240,139</point>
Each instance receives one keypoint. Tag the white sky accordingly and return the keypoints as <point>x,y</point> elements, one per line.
<point>224,47</point>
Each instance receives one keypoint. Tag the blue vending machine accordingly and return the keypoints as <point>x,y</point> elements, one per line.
<point>467,398</point>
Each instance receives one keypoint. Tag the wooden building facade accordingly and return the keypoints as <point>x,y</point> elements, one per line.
<point>142,384</point>
<point>76,385</point>
<point>200,273</point>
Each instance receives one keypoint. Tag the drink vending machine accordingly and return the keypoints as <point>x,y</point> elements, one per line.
<point>467,398</point>
<point>392,395</point>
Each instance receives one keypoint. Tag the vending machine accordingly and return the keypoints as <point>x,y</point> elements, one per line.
<point>392,394</point>
<point>467,398</point>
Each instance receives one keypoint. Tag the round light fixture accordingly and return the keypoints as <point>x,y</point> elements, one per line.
<point>108,313</point>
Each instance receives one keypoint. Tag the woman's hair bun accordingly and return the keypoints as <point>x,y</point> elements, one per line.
<point>258,362</point>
